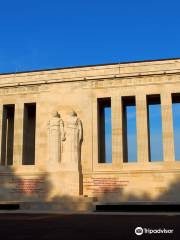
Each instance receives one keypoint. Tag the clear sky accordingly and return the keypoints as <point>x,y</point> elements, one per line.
<point>131,134</point>
<point>41,34</point>
<point>155,131</point>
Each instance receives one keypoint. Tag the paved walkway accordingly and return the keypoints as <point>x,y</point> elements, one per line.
<point>86,226</point>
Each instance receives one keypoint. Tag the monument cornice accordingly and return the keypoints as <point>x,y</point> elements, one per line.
<point>89,79</point>
<point>88,73</point>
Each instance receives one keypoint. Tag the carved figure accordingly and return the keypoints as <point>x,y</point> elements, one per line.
<point>56,135</point>
<point>73,135</point>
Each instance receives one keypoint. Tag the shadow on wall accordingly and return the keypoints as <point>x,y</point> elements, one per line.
<point>23,187</point>
<point>33,193</point>
<point>168,194</point>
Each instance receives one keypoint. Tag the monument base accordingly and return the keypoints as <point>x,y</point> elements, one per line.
<point>64,204</point>
<point>70,183</point>
<point>64,183</point>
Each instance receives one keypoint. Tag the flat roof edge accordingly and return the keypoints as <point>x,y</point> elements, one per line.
<point>90,65</point>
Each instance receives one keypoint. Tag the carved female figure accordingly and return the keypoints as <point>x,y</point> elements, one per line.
<point>73,135</point>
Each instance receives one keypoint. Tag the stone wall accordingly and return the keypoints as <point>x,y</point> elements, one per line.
<point>64,90</point>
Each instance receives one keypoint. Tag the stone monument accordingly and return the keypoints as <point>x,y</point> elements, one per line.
<point>39,166</point>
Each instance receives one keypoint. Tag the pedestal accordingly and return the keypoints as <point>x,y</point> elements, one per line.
<point>70,183</point>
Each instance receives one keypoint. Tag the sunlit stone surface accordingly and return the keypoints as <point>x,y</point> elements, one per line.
<point>64,116</point>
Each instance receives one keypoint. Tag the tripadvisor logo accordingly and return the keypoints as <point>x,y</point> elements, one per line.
<point>139,231</point>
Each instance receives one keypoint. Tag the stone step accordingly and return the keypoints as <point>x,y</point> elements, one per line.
<point>63,203</point>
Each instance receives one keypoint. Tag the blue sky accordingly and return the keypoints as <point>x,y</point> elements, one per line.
<point>48,34</point>
<point>155,132</point>
<point>131,133</point>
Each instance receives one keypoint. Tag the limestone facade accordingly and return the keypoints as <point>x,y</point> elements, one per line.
<point>66,150</point>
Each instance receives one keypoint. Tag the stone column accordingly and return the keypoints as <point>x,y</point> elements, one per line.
<point>117,145</point>
<point>95,133</point>
<point>167,127</point>
<point>18,134</point>
<point>41,136</point>
<point>1,116</point>
<point>142,128</point>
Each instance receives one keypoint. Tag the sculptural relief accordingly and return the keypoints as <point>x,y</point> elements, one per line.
<point>74,136</point>
<point>56,136</point>
<point>65,140</point>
